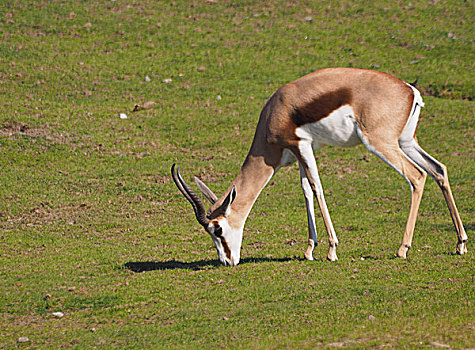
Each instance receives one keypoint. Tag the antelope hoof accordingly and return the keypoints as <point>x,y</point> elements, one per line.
<point>332,253</point>
<point>402,252</point>
<point>462,248</point>
<point>308,252</point>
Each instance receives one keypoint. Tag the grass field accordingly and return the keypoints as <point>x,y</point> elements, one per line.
<point>92,226</point>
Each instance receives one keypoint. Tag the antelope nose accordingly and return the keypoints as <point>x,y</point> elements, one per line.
<point>234,261</point>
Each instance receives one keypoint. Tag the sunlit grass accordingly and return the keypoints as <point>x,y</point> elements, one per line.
<point>92,225</point>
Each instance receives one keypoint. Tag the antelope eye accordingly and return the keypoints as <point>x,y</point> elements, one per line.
<point>218,231</point>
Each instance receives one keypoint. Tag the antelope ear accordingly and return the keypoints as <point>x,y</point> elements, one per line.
<point>226,206</point>
<point>206,191</point>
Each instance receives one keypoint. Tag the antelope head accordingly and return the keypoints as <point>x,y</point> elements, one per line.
<point>226,239</point>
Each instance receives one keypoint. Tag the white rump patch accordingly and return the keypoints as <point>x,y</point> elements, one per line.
<point>411,124</point>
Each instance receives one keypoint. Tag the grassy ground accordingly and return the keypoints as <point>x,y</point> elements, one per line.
<point>92,226</point>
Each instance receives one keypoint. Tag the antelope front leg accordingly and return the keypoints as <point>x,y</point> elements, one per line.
<point>332,239</point>
<point>312,232</point>
<point>309,165</point>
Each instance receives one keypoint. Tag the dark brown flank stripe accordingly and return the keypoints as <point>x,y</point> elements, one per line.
<point>226,247</point>
<point>281,127</point>
<point>320,107</point>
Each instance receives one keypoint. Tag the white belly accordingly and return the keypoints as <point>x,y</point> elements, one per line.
<point>338,129</point>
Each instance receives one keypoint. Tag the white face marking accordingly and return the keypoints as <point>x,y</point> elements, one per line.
<point>233,237</point>
<point>337,129</point>
<point>228,242</point>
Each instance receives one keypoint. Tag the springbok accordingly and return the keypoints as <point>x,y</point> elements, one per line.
<point>339,107</point>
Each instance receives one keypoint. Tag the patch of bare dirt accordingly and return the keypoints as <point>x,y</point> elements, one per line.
<point>44,213</point>
<point>13,129</point>
<point>346,343</point>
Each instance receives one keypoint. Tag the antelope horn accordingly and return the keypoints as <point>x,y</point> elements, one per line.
<point>206,191</point>
<point>191,196</point>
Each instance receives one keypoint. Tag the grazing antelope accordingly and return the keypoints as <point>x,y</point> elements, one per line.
<point>339,107</point>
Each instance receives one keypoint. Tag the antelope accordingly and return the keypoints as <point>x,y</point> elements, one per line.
<point>341,107</point>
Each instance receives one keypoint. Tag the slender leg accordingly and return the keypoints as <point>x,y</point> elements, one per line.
<point>416,197</point>
<point>438,171</point>
<point>312,232</point>
<point>449,199</point>
<point>396,158</point>
<point>309,166</point>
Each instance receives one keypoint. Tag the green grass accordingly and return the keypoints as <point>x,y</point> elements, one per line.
<point>92,225</point>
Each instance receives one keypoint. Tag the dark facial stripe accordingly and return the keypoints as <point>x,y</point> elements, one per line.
<point>226,247</point>
<point>320,107</point>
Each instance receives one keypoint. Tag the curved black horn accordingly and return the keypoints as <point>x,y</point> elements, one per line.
<point>191,196</point>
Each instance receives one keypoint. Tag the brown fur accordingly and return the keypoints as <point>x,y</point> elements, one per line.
<point>320,107</point>
<point>381,102</point>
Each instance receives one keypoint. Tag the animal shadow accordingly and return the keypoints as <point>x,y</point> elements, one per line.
<point>143,266</point>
